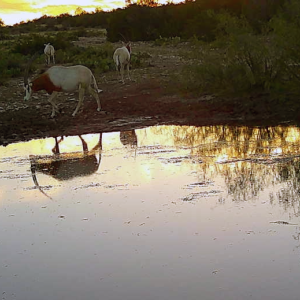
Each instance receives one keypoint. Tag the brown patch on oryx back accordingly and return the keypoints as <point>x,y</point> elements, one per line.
<point>43,82</point>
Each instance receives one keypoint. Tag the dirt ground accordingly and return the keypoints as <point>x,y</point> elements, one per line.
<point>148,99</point>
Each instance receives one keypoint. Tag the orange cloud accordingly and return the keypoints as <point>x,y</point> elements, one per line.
<point>12,5</point>
<point>15,11</point>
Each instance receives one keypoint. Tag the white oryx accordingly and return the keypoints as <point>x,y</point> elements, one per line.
<point>63,79</point>
<point>122,59</point>
<point>49,52</point>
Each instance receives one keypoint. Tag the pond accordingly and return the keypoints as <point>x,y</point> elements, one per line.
<point>164,212</point>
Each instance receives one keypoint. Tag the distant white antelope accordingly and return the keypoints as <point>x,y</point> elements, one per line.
<point>49,52</point>
<point>63,79</point>
<point>122,59</point>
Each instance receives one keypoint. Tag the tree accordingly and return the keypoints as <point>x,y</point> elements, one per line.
<point>79,11</point>
<point>152,3</point>
<point>98,9</point>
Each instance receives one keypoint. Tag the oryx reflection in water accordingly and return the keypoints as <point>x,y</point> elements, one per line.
<point>129,138</point>
<point>66,166</point>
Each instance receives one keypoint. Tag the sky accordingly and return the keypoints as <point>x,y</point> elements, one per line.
<point>15,11</point>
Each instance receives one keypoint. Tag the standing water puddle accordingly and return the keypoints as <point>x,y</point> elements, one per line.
<point>165,212</point>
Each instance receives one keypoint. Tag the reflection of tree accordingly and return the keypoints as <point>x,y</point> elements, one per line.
<point>289,173</point>
<point>248,158</point>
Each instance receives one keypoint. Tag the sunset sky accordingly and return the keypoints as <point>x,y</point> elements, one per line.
<point>15,11</point>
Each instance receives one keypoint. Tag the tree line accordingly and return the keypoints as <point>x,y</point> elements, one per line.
<point>146,20</point>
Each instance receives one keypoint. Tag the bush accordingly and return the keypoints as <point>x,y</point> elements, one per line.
<point>33,43</point>
<point>286,27</point>
<point>11,65</point>
<point>245,63</point>
<point>99,59</point>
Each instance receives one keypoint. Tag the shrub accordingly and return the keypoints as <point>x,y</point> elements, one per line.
<point>11,65</point>
<point>32,43</point>
<point>245,63</point>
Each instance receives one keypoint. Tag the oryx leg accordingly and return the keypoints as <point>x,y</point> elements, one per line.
<point>128,74</point>
<point>122,73</point>
<point>53,59</point>
<point>96,96</point>
<point>99,144</point>
<point>84,144</point>
<point>54,106</point>
<point>80,101</point>
<point>55,149</point>
<point>119,72</point>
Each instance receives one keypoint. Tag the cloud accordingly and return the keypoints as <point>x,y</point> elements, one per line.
<point>54,7</point>
<point>15,11</point>
<point>8,6</point>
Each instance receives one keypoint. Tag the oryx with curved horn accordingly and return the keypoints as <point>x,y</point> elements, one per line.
<point>63,79</point>
<point>121,58</point>
<point>49,53</point>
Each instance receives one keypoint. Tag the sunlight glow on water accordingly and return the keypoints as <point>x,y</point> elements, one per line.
<point>163,212</point>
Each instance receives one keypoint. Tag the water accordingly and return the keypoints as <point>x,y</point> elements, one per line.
<point>159,213</point>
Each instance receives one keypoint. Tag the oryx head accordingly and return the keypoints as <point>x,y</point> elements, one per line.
<point>128,46</point>
<point>126,43</point>
<point>28,90</point>
<point>27,84</point>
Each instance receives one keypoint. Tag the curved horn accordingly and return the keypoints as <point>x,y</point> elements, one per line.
<point>26,73</point>
<point>34,178</point>
<point>125,40</point>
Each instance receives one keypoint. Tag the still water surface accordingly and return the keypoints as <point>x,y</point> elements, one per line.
<point>164,213</point>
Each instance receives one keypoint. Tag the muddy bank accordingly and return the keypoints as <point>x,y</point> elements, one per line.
<point>129,106</point>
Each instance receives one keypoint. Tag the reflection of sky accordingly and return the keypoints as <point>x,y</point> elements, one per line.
<point>126,231</point>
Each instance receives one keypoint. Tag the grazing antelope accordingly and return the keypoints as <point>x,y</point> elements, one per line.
<point>122,59</point>
<point>63,79</point>
<point>49,52</point>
